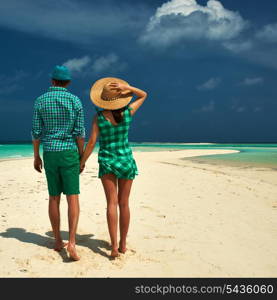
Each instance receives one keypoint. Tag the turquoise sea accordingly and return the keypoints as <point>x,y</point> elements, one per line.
<point>264,155</point>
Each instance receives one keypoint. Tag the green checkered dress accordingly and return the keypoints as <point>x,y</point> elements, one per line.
<point>115,155</point>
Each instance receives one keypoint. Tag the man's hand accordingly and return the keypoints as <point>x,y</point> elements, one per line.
<point>82,166</point>
<point>38,164</point>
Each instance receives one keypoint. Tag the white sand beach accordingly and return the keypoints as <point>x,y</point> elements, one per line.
<point>187,220</point>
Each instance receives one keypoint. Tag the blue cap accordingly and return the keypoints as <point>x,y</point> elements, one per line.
<point>61,73</point>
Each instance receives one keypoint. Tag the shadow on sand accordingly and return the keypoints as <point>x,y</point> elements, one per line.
<point>84,240</point>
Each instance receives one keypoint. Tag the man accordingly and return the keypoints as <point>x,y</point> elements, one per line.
<point>58,122</point>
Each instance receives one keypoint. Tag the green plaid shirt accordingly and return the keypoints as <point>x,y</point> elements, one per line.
<point>58,120</point>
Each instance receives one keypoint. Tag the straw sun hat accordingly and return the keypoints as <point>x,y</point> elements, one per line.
<point>104,96</point>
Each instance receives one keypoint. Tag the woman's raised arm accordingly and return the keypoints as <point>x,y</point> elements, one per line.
<point>141,95</point>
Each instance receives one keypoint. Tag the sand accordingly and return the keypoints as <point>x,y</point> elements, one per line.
<point>187,220</point>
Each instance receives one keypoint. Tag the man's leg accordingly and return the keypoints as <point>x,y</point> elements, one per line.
<point>54,215</point>
<point>54,189</point>
<point>73,217</point>
<point>69,170</point>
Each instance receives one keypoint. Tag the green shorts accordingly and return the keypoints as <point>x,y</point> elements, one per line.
<point>62,169</point>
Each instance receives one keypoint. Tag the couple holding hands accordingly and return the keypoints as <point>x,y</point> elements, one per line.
<point>58,123</point>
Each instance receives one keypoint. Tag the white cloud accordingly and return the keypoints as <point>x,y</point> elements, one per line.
<point>211,84</point>
<point>240,109</point>
<point>104,62</point>
<point>268,33</point>
<point>72,20</point>
<point>7,90</point>
<point>109,62</point>
<point>209,107</point>
<point>12,83</point>
<point>252,81</point>
<point>238,106</point>
<point>187,20</point>
<point>255,50</point>
<point>17,76</point>
<point>77,64</point>
<point>15,106</point>
<point>206,108</point>
<point>257,109</point>
<point>237,46</point>
<point>259,47</point>
<point>85,65</point>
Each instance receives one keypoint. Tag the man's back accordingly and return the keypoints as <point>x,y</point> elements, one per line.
<point>58,119</point>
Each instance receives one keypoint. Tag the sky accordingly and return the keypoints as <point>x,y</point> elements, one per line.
<point>209,67</point>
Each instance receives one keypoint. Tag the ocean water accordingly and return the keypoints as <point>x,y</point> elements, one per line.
<point>16,150</point>
<point>249,155</point>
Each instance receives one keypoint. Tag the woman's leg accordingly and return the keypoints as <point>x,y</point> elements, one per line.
<point>124,188</point>
<point>109,182</point>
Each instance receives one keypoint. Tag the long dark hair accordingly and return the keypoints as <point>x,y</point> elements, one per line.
<point>117,114</point>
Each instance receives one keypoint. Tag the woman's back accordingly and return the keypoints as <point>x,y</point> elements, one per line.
<point>113,137</point>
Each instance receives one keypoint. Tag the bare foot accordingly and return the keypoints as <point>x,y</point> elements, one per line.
<point>72,252</point>
<point>59,245</point>
<point>122,247</point>
<point>114,253</point>
<point>122,250</point>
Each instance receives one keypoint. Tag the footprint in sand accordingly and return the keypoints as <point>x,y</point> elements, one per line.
<point>22,262</point>
<point>161,216</point>
<point>23,270</point>
<point>129,252</point>
<point>46,258</point>
<point>149,208</point>
<point>118,261</point>
<point>164,237</point>
<point>149,260</point>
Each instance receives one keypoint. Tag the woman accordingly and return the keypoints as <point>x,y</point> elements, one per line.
<point>117,167</point>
